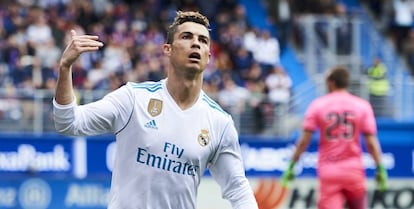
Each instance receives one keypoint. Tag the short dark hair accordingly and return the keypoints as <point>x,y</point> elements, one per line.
<point>182,17</point>
<point>340,76</point>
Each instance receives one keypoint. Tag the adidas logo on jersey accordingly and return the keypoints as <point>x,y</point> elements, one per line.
<point>151,124</point>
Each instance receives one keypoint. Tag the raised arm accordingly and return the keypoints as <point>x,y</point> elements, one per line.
<point>78,44</point>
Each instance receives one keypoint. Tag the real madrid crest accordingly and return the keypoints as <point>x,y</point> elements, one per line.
<point>154,107</point>
<point>203,137</point>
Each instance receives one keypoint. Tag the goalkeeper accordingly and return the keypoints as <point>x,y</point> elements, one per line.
<point>340,118</point>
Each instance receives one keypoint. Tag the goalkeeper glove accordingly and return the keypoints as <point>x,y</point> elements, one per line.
<point>288,175</point>
<point>381,178</point>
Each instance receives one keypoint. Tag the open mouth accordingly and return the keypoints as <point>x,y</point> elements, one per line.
<point>195,55</point>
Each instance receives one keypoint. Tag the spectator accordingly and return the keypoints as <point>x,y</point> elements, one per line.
<point>233,98</point>
<point>139,73</point>
<point>211,89</point>
<point>408,51</point>
<point>381,10</point>
<point>402,22</point>
<point>243,60</point>
<point>343,30</point>
<point>225,66</point>
<point>115,56</point>
<point>39,32</point>
<point>267,52</point>
<point>250,39</point>
<point>257,100</point>
<point>240,18</point>
<point>281,14</point>
<point>80,76</point>
<point>279,84</point>
<point>97,77</point>
<point>22,73</point>
<point>379,87</point>
<point>48,54</point>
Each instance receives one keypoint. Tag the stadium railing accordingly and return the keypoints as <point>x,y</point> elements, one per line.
<point>31,111</point>
<point>354,42</point>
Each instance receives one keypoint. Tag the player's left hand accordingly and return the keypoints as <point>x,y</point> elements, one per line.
<point>78,45</point>
<point>288,175</point>
<point>381,178</point>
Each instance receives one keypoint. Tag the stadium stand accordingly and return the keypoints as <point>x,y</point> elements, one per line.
<point>132,33</point>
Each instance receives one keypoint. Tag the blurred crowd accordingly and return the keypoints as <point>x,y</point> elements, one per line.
<point>244,75</point>
<point>396,20</point>
<point>245,63</point>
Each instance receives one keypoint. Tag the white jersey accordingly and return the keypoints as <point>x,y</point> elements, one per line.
<point>162,151</point>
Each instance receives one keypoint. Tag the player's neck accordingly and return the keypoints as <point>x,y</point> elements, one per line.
<point>339,90</point>
<point>184,92</point>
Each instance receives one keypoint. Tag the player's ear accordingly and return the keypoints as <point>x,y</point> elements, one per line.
<point>330,85</point>
<point>209,57</point>
<point>167,49</point>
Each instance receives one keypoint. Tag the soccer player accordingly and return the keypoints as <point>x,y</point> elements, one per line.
<point>340,118</point>
<point>167,132</point>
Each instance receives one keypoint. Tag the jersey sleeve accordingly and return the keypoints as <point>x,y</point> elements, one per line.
<point>228,170</point>
<point>310,121</point>
<point>108,114</point>
<point>369,125</point>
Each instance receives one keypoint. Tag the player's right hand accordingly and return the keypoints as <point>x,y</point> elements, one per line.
<point>381,178</point>
<point>78,45</point>
<point>288,175</point>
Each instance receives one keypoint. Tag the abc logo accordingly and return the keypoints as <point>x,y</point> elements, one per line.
<point>270,188</point>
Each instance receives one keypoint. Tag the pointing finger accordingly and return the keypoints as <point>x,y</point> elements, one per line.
<point>73,33</point>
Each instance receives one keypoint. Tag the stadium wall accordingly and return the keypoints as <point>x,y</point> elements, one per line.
<point>53,171</point>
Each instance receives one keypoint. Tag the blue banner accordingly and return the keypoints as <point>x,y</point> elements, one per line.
<point>23,155</point>
<point>272,158</point>
<point>100,156</point>
<point>40,193</point>
<point>81,157</point>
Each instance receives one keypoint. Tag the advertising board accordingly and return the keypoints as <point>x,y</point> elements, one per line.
<point>303,194</point>
<point>81,157</point>
<point>58,172</point>
<point>88,193</point>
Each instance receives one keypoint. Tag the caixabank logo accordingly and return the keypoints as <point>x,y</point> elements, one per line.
<point>303,194</point>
